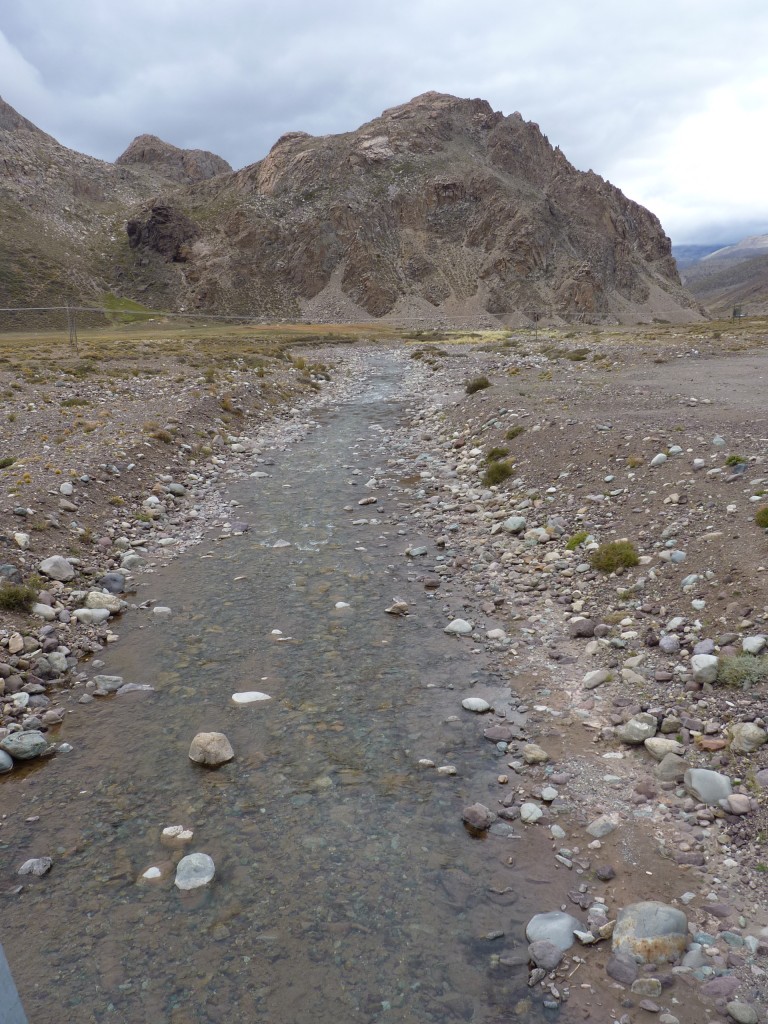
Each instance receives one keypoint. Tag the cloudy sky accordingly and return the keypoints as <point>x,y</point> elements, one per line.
<point>668,99</point>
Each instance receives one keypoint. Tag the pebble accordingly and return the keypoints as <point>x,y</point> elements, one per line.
<point>556,927</point>
<point>249,697</point>
<point>459,627</point>
<point>530,813</point>
<point>476,704</point>
<point>36,866</point>
<point>211,749</point>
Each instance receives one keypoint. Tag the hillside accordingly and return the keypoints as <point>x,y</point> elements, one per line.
<point>736,275</point>
<point>441,209</point>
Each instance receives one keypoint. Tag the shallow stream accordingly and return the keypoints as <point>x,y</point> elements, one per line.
<point>346,888</point>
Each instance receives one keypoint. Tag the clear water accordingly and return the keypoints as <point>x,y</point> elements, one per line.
<point>346,888</point>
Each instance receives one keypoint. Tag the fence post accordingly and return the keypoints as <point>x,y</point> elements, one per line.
<point>11,1010</point>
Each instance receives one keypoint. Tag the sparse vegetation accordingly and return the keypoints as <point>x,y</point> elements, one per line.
<point>734,460</point>
<point>5,463</point>
<point>17,597</point>
<point>514,432</point>
<point>618,554</point>
<point>496,473</point>
<point>477,384</point>
<point>496,453</point>
<point>575,540</point>
<point>743,670</point>
<point>761,517</point>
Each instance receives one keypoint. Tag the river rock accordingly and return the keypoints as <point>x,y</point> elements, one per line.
<point>706,786</point>
<point>23,746</point>
<point>476,704</point>
<point>57,568</point>
<point>742,1013</point>
<point>622,968</point>
<point>659,746</point>
<point>97,599</point>
<point>534,754</point>
<point>746,737</point>
<point>581,627</point>
<point>555,927</point>
<point>459,627</point>
<point>114,582</point>
<point>530,813</point>
<point>650,931</point>
<point>91,616</point>
<point>43,611</point>
<point>595,678</point>
<point>478,817</point>
<point>646,987</point>
<point>108,684</point>
<point>6,762</point>
<point>545,954</point>
<point>669,643</point>
<point>704,668</point>
<point>753,644</point>
<point>211,749</point>
<point>249,697</point>
<point>194,871</point>
<point>515,524</point>
<point>36,866</point>
<point>671,768</point>
<point>638,729</point>
<point>602,826</point>
<point>737,803</point>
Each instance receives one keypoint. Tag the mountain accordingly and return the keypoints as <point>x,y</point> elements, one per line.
<point>686,255</point>
<point>440,209</point>
<point>731,276</point>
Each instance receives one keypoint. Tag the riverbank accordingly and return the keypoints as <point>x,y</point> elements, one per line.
<point>585,653</point>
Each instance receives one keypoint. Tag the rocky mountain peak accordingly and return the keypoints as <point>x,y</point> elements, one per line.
<point>12,121</point>
<point>185,166</point>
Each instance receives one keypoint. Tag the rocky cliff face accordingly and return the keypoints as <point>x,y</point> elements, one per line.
<point>183,165</point>
<point>441,209</point>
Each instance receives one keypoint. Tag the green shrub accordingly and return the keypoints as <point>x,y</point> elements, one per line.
<point>496,472</point>
<point>5,463</point>
<point>494,454</point>
<point>477,384</point>
<point>17,597</point>
<point>761,517</point>
<point>743,670</point>
<point>734,460</point>
<point>514,432</point>
<point>618,554</point>
<point>576,540</point>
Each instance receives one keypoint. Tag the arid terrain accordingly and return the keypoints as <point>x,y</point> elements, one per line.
<point>118,457</point>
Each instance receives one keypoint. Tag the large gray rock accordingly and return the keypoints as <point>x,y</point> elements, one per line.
<point>746,737</point>
<point>650,931</point>
<point>706,786</point>
<point>671,769</point>
<point>753,644</point>
<point>211,749</point>
<point>6,762</point>
<point>194,871</point>
<point>23,746</point>
<point>97,599</point>
<point>659,746</point>
<point>555,927</point>
<point>545,954</point>
<point>459,627</point>
<point>638,729</point>
<point>515,524</point>
<point>57,568</point>
<point>704,668</point>
<point>478,817</point>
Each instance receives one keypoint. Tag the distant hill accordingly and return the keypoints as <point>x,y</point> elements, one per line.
<point>440,209</point>
<point>734,275</point>
<point>685,255</point>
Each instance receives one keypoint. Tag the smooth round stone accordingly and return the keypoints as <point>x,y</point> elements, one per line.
<point>555,927</point>
<point>152,873</point>
<point>534,754</point>
<point>530,813</point>
<point>659,460</point>
<point>38,866</point>
<point>515,524</point>
<point>651,931</point>
<point>341,604</point>
<point>211,749</point>
<point>194,871</point>
<point>161,611</point>
<point>548,794</point>
<point>23,746</point>
<point>704,668</point>
<point>98,599</point>
<point>753,644</point>
<point>6,762</point>
<point>742,1013</point>
<point>459,627</point>
<point>746,737</point>
<point>638,729</point>
<point>476,704</point>
<point>250,697</point>
<point>659,746</point>
<point>91,616</point>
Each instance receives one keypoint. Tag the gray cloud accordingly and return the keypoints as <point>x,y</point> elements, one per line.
<point>615,86</point>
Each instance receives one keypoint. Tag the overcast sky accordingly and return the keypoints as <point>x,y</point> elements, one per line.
<point>668,99</point>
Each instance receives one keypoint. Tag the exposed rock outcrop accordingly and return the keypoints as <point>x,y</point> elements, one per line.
<point>183,165</point>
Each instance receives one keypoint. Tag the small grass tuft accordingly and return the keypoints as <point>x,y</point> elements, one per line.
<point>477,384</point>
<point>618,554</point>
<point>496,473</point>
<point>494,454</point>
<point>5,463</point>
<point>17,597</point>
<point>743,670</point>
<point>761,517</point>
<point>514,432</point>
<point>734,460</point>
<point>575,540</point>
